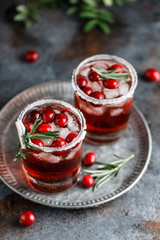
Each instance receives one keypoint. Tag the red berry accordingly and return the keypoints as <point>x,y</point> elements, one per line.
<point>31,56</point>
<point>89,158</point>
<point>93,76</point>
<point>48,115</point>
<point>61,120</point>
<point>37,142</point>
<point>116,66</point>
<point>27,218</point>
<point>35,115</point>
<point>81,81</point>
<point>152,74</point>
<point>88,181</point>
<point>59,143</point>
<point>87,90</point>
<point>70,138</point>
<point>44,128</point>
<point>110,83</point>
<point>98,95</point>
<point>29,125</point>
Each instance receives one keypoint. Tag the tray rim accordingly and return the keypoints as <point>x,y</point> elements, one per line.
<point>96,202</point>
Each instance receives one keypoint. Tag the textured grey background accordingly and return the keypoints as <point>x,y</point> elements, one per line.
<point>135,37</point>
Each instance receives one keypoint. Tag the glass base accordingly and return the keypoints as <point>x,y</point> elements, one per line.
<point>51,187</point>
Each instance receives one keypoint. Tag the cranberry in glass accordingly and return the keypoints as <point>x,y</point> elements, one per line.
<point>59,143</point>
<point>110,83</point>
<point>81,81</point>
<point>44,127</point>
<point>48,115</point>
<point>61,120</point>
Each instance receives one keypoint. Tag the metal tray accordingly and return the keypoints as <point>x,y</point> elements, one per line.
<point>137,140</point>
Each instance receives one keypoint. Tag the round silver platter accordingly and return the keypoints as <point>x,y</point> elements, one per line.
<point>137,140</point>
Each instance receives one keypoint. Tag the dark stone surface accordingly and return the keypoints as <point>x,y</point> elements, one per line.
<point>135,37</point>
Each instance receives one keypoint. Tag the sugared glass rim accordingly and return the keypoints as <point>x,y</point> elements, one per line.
<point>21,128</point>
<point>105,57</point>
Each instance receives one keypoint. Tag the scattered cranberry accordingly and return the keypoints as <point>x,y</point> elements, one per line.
<point>81,81</point>
<point>152,74</point>
<point>116,66</point>
<point>44,128</point>
<point>61,120</point>
<point>29,125</point>
<point>48,115</point>
<point>98,95</point>
<point>59,143</point>
<point>93,76</point>
<point>31,56</point>
<point>70,138</point>
<point>110,83</point>
<point>37,142</point>
<point>35,115</point>
<point>88,181</point>
<point>89,158</point>
<point>27,218</point>
<point>87,90</point>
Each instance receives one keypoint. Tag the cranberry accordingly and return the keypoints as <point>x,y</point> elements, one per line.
<point>152,74</point>
<point>59,143</point>
<point>37,142</point>
<point>81,81</point>
<point>89,158</point>
<point>35,115</point>
<point>48,115</point>
<point>87,90</point>
<point>70,138</point>
<point>27,218</point>
<point>88,181</point>
<point>117,66</point>
<point>93,76</point>
<point>29,125</point>
<point>110,83</point>
<point>98,95</point>
<point>31,56</point>
<point>61,120</point>
<point>44,128</point>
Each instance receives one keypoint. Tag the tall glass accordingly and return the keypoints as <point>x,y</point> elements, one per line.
<point>106,119</point>
<point>56,168</point>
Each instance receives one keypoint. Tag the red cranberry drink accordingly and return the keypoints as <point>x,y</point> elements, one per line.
<point>51,133</point>
<point>104,86</point>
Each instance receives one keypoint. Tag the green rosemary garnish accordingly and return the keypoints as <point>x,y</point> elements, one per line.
<point>113,74</point>
<point>107,170</point>
<point>32,135</point>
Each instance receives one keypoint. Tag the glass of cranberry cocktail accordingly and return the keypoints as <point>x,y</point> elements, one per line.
<point>51,134</point>
<point>104,86</point>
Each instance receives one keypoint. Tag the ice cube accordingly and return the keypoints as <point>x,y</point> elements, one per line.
<point>123,88</point>
<point>48,157</point>
<point>116,112</point>
<point>100,65</point>
<point>48,142</point>
<point>93,110</point>
<point>96,86</point>
<point>84,71</point>
<point>64,132</point>
<point>110,93</point>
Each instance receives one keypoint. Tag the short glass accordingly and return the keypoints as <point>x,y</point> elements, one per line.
<point>106,119</point>
<point>56,168</point>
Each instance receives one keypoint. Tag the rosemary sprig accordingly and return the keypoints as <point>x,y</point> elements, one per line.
<point>27,136</point>
<point>113,74</point>
<point>106,171</point>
